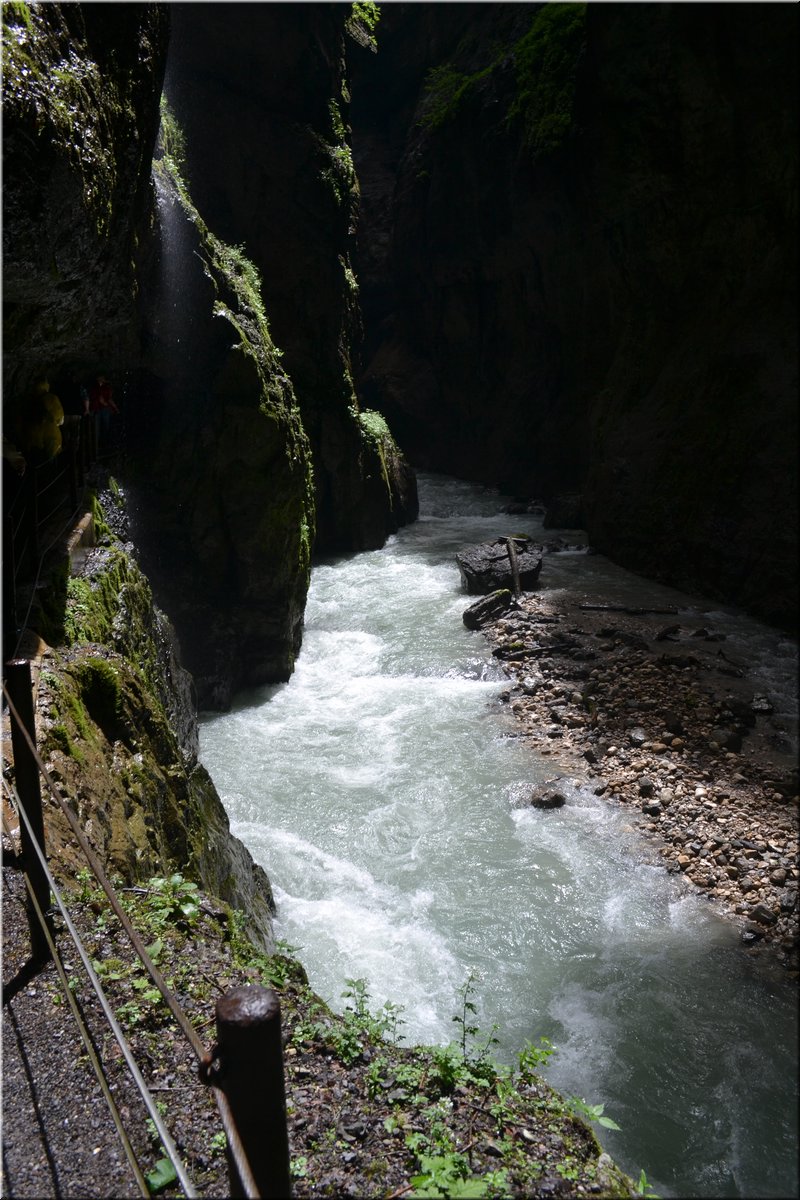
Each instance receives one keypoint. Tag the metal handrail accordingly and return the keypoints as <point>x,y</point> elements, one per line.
<point>121,1040</point>
<point>205,1057</point>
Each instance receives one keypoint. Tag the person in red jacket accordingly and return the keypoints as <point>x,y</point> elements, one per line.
<point>101,404</point>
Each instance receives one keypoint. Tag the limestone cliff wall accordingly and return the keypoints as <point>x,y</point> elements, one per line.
<point>578,264</point>
<point>221,479</point>
<point>81,95</point>
<point>262,92</point>
<point>81,88</point>
<point>104,272</point>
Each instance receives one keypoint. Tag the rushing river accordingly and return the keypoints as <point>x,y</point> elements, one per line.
<point>380,793</point>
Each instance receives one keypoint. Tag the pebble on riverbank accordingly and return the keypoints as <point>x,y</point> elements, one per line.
<point>658,717</point>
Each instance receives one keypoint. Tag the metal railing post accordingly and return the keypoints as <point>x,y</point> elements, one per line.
<point>26,773</point>
<point>251,1056</point>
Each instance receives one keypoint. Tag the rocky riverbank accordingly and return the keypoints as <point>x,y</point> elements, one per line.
<point>656,716</point>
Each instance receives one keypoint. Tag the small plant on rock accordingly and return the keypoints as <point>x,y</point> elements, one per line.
<point>472,1054</point>
<point>172,899</point>
<point>593,1111</point>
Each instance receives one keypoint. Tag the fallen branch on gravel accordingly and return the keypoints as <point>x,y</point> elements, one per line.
<point>634,612</point>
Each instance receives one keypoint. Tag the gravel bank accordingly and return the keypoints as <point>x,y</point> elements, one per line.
<point>656,717</point>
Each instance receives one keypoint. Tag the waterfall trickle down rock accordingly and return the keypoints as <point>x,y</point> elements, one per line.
<point>226,521</point>
<point>270,165</point>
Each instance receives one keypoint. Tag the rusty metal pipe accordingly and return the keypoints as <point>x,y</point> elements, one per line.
<point>250,1053</point>
<point>19,689</point>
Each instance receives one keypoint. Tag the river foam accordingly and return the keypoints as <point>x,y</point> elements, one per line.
<point>382,794</point>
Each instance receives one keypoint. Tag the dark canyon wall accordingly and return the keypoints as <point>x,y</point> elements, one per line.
<point>262,93</point>
<point>117,719</point>
<point>81,88</point>
<point>156,280</point>
<point>578,267</point>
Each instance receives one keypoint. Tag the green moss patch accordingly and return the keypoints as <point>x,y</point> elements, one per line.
<point>100,692</point>
<point>50,78</point>
<point>545,64</point>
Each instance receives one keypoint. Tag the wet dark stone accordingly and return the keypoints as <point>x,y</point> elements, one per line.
<point>760,912</point>
<point>545,797</point>
<point>728,739</point>
<point>487,609</point>
<point>487,567</point>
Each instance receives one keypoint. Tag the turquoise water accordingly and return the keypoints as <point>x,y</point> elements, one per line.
<point>381,793</point>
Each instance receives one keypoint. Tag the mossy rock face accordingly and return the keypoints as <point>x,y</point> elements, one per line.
<point>390,485</point>
<point>101,695</point>
<point>80,114</point>
<point>297,216</point>
<point>119,731</point>
<point>225,516</point>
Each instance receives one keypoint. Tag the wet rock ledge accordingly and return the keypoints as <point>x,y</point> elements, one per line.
<point>655,716</point>
<point>117,728</point>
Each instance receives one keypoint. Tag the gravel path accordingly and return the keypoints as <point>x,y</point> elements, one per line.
<point>57,1140</point>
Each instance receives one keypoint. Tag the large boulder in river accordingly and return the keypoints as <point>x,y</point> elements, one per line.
<point>488,566</point>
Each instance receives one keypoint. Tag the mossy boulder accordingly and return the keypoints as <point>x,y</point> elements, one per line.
<point>118,728</point>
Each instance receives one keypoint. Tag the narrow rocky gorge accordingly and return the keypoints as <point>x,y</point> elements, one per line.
<point>577,262</point>
<point>547,248</point>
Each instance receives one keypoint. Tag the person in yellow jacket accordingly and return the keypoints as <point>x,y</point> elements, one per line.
<point>40,425</point>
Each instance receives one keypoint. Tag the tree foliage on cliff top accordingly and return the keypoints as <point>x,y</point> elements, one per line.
<point>545,63</point>
<point>361,23</point>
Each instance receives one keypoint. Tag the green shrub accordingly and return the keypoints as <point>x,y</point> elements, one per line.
<point>546,63</point>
